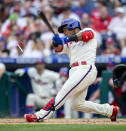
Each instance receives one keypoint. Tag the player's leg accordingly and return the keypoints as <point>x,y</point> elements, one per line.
<point>73,85</point>
<point>68,112</point>
<point>76,83</point>
<point>67,109</point>
<point>33,102</point>
<point>40,102</point>
<point>30,103</point>
<point>79,104</point>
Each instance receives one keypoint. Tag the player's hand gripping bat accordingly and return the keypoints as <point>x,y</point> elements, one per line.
<point>45,20</point>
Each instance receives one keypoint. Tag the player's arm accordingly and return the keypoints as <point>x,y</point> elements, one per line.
<point>58,48</point>
<point>21,72</point>
<point>57,43</point>
<point>81,36</point>
<point>85,35</point>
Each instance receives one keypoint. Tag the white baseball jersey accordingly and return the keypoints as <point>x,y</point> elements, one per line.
<point>43,84</point>
<point>81,51</point>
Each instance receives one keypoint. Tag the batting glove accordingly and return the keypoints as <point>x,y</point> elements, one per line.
<point>57,40</point>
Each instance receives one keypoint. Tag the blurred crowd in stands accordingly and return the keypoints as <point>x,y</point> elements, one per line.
<point>20,25</point>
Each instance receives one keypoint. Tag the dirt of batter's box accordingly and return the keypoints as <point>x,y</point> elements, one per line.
<point>63,121</point>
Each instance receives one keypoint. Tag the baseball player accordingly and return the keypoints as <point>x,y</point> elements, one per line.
<point>42,81</point>
<point>80,46</point>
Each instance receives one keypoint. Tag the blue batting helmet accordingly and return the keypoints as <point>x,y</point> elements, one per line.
<point>70,24</point>
<point>64,71</point>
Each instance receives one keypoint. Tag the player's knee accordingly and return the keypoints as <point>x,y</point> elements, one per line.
<point>76,105</point>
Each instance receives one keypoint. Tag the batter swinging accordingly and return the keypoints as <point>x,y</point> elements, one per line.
<point>80,46</point>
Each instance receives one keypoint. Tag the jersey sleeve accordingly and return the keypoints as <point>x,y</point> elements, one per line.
<point>31,72</point>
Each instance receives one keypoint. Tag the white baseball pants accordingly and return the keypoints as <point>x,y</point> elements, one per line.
<point>80,77</point>
<point>35,101</point>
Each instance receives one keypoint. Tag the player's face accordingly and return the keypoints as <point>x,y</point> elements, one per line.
<point>68,32</point>
<point>40,67</point>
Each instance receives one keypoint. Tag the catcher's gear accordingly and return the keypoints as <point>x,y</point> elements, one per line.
<point>119,75</point>
<point>70,24</point>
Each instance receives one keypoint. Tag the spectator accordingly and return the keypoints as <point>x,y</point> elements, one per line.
<point>36,49</point>
<point>14,20</point>
<point>101,24</point>
<point>57,6</point>
<point>3,52</point>
<point>118,26</point>
<point>82,7</point>
<point>114,3</point>
<point>28,10</point>
<point>67,14</point>
<point>96,13</point>
<point>86,20</point>
<point>110,47</point>
<point>42,81</point>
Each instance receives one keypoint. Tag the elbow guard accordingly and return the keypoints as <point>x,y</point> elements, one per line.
<point>87,35</point>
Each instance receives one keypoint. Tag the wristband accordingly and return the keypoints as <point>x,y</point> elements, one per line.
<point>73,38</point>
<point>70,38</point>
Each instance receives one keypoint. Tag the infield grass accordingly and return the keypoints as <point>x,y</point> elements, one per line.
<point>39,127</point>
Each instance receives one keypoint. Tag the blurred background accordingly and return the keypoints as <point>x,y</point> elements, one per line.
<point>20,71</point>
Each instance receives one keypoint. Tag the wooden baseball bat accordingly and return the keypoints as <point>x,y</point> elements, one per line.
<point>45,20</point>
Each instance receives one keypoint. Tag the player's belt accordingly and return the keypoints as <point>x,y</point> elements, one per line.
<point>78,63</point>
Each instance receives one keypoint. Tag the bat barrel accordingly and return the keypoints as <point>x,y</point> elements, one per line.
<point>45,20</point>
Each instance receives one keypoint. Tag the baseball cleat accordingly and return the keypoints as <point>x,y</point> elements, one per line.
<point>30,117</point>
<point>114,113</point>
